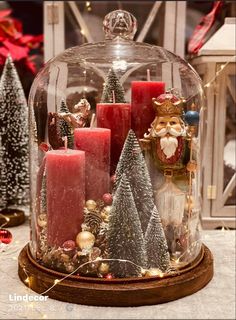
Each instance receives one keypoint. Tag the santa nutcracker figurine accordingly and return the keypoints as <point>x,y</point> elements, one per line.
<point>166,140</point>
<point>169,144</point>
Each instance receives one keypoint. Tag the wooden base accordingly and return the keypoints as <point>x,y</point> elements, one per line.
<point>15,217</point>
<point>116,292</point>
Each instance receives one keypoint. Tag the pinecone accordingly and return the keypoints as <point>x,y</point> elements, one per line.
<point>93,220</point>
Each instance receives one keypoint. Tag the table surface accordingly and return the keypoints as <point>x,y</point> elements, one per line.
<point>215,301</point>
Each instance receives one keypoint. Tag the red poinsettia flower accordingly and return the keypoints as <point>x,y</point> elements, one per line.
<point>14,42</point>
<point>9,27</point>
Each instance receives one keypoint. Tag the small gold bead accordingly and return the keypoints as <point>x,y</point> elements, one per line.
<point>152,272</point>
<point>42,220</point>
<point>85,240</point>
<point>91,204</point>
<point>103,268</point>
<point>192,166</point>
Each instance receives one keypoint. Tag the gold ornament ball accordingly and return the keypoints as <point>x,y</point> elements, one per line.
<point>192,166</point>
<point>42,220</point>
<point>85,240</point>
<point>91,204</point>
<point>153,272</point>
<point>69,268</point>
<point>107,210</point>
<point>103,214</point>
<point>65,257</point>
<point>103,268</point>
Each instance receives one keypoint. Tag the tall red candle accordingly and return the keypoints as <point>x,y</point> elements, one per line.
<point>96,143</point>
<point>117,117</point>
<point>65,180</point>
<point>142,112</point>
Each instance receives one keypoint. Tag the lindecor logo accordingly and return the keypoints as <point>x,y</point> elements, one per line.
<point>26,298</point>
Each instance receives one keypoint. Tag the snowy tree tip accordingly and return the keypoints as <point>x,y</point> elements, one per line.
<point>132,133</point>
<point>9,58</point>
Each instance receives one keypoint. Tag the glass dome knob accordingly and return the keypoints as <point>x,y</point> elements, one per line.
<point>119,23</point>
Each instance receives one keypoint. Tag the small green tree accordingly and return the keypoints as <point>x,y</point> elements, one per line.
<point>133,164</point>
<point>65,128</point>
<point>156,244</point>
<point>14,136</point>
<point>112,84</point>
<point>125,237</point>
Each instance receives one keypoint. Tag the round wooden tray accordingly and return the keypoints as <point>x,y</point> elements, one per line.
<point>116,292</point>
<point>15,217</point>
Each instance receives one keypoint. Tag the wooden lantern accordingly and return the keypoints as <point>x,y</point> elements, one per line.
<point>216,65</point>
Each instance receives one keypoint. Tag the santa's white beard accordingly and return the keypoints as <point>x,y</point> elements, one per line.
<point>169,145</point>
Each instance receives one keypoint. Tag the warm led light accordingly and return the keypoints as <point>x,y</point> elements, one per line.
<point>87,3</point>
<point>82,32</point>
<point>27,280</point>
<point>98,258</point>
<point>56,281</point>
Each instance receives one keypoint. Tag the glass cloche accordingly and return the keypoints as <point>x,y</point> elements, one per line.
<point>115,158</point>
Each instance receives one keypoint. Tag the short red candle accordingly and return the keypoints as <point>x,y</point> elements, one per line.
<point>65,179</point>
<point>117,117</point>
<point>142,112</point>
<point>96,143</point>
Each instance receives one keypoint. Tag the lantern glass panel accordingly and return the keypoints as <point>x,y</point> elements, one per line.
<point>230,139</point>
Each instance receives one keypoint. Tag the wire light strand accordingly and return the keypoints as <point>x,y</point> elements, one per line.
<point>222,67</point>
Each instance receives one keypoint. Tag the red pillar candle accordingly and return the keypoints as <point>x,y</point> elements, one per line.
<point>117,117</point>
<point>142,112</point>
<point>65,180</point>
<point>96,143</point>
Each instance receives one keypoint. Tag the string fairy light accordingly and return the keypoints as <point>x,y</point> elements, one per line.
<point>222,67</point>
<point>217,74</point>
<point>56,281</point>
<point>172,270</point>
<point>88,6</point>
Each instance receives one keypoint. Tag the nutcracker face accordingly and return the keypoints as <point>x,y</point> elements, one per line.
<point>167,130</point>
<point>168,125</point>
